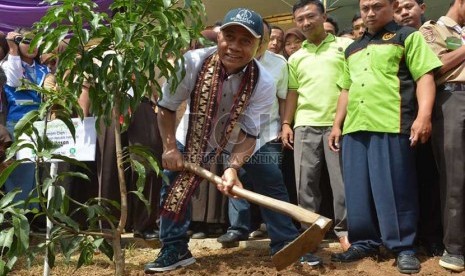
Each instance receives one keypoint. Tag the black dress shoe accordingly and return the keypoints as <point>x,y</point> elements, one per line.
<point>231,237</point>
<point>147,235</point>
<point>408,263</point>
<point>151,235</point>
<point>353,254</point>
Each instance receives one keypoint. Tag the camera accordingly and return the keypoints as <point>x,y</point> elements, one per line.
<point>19,39</point>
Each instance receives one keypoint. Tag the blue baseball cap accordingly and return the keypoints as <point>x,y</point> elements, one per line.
<point>246,18</point>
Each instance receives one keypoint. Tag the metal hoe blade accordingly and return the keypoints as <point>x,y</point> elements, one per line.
<point>308,241</point>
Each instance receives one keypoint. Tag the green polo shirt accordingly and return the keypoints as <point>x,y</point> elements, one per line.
<point>313,73</point>
<point>380,74</point>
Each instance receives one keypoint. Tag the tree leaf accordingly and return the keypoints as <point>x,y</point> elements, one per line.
<point>6,238</point>
<point>66,119</point>
<point>57,199</point>
<point>146,154</point>
<point>21,228</point>
<point>71,161</point>
<point>8,198</point>
<point>18,145</point>
<point>142,198</point>
<point>65,175</point>
<point>3,269</point>
<point>118,36</point>
<point>86,256</point>
<point>140,169</point>
<point>26,122</point>
<point>67,220</point>
<point>51,254</point>
<point>166,3</point>
<point>107,249</point>
<point>10,264</point>
<point>47,182</point>
<point>69,246</point>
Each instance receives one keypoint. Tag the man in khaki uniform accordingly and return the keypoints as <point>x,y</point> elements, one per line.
<point>445,37</point>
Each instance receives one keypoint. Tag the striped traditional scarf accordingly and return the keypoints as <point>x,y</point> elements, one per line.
<point>203,108</point>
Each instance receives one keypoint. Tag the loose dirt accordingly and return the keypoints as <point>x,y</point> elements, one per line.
<point>235,261</point>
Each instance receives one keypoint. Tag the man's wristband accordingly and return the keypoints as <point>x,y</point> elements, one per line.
<point>286,124</point>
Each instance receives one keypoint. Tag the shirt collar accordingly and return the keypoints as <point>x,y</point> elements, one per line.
<point>226,76</point>
<point>262,57</point>
<point>390,27</point>
<point>450,23</point>
<point>328,38</point>
<point>27,65</point>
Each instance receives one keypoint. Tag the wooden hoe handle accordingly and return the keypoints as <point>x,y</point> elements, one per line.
<point>298,213</point>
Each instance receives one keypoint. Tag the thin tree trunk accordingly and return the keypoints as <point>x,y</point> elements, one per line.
<point>118,252</point>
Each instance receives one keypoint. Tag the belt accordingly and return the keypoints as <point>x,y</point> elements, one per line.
<point>452,86</point>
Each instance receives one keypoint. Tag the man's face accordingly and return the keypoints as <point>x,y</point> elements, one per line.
<point>409,13</point>
<point>329,28</point>
<point>358,28</point>
<point>276,41</point>
<point>377,13</point>
<point>309,20</point>
<point>236,48</point>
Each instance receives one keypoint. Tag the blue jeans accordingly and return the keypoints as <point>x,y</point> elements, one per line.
<point>23,177</point>
<point>174,232</point>
<point>263,175</point>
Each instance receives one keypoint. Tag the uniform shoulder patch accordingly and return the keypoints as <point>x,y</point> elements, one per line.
<point>388,36</point>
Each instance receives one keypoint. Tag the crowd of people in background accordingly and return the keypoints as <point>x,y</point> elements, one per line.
<point>363,123</point>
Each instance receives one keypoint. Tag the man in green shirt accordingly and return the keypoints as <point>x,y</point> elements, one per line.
<point>311,105</point>
<point>388,73</point>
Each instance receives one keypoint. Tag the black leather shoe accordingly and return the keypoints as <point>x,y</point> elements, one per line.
<point>408,263</point>
<point>151,235</point>
<point>231,237</point>
<point>353,254</point>
<point>147,235</point>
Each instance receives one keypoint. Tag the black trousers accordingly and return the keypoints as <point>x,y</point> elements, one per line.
<point>449,149</point>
